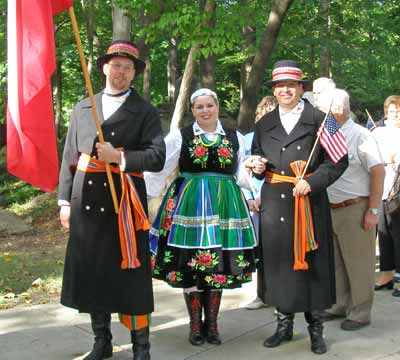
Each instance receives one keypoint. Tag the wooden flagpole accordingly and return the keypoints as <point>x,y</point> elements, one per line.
<point>91,96</point>
<point>316,142</point>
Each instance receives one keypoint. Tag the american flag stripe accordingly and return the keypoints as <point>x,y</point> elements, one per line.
<point>332,139</point>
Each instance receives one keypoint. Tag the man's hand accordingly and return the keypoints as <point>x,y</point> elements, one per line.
<point>301,188</point>
<point>107,153</point>
<point>370,221</point>
<point>65,212</point>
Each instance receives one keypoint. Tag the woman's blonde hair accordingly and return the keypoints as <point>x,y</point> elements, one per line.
<point>267,104</point>
<point>392,99</point>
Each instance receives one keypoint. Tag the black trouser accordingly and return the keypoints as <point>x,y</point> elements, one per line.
<point>389,241</point>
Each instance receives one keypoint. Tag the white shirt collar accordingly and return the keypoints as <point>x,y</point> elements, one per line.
<point>297,110</point>
<point>197,130</point>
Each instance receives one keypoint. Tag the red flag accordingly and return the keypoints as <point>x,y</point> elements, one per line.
<point>31,138</point>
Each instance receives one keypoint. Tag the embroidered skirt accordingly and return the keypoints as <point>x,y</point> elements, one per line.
<point>203,235</point>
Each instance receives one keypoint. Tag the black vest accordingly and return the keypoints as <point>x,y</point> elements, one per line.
<point>213,162</point>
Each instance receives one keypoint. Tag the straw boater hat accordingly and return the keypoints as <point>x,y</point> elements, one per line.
<point>124,49</point>
<point>286,70</point>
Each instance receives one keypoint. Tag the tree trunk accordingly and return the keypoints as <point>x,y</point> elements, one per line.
<point>172,69</point>
<point>121,24</point>
<point>325,68</point>
<point>248,103</point>
<point>58,97</point>
<point>249,42</point>
<point>207,64</point>
<point>144,53</point>
<point>181,102</point>
<point>88,13</point>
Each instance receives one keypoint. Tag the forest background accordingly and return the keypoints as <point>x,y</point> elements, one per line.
<point>226,45</point>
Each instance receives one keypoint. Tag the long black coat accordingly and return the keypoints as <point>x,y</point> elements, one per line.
<point>93,280</point>
<point>289,290</point>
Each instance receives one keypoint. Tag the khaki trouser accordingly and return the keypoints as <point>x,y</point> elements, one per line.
<point>354,263</point>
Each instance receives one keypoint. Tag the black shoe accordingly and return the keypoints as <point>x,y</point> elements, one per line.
<point>351,325</point>
<point>316,330</point>
<point>102,348</point>
<point>389,286</point>
<point>327,316</point>
<point>396,293</point>
<point>284,331</point>
<point>141,343</point>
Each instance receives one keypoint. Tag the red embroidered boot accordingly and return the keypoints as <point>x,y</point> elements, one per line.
<point>194,303</point>
<point>212,301</point>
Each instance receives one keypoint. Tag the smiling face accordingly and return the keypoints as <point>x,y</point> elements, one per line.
<point>288,93</point>
<point>119,72</point>
<point>205,111</point>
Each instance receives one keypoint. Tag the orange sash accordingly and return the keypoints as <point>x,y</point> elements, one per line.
<point>304,239</point>
<point>129,199</point>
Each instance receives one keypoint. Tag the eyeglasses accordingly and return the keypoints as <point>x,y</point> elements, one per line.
<point>120,67</point>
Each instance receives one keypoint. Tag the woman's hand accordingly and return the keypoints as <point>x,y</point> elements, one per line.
<point>256,164</point>
<point>254,205</point>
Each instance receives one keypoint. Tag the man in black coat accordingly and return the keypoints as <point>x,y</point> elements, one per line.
<point>107,265</point>
<point>297,280</point>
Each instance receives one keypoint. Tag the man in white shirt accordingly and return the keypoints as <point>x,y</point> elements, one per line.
<point>355,199</point>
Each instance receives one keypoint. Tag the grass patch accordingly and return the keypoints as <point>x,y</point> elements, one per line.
<point>27,276</point>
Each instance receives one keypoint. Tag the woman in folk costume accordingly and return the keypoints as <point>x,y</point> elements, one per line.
<point>202,237</point>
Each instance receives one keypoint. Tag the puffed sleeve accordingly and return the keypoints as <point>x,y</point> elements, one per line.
<point>156,181</point>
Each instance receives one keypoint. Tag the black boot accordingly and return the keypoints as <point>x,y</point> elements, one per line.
<point>212,301</point>
<point>315,329</point>
<point>141,344</point>
<point>194,303</point>
<point>284,330</point>
<point>102,348</point>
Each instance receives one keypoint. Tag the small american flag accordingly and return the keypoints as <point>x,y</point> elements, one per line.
<point>332,139</point>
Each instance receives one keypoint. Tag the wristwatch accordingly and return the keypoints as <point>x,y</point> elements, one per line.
<point>374,211</point>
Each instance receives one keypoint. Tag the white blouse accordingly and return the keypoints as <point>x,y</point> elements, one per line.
<point>156,181</point>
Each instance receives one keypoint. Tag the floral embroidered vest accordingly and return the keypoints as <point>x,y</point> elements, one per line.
<point>200,155</point>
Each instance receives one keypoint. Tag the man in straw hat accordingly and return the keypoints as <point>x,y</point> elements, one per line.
<point>297,253</point>
<point>107,265</point>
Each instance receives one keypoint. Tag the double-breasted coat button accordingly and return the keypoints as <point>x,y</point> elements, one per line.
<point>283,196</point>
<point>102,209</point>
<point>283,149</point>
<point>298,147</point>
<point>87,207</point>
<point>282,219</point>
<point>105,184</point>
<point>282,172</point>
<point>112,133</point>
<point>90,182</point>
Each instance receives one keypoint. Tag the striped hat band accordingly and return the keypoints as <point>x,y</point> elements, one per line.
<point>287,73</point>
<point>123,48</point>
